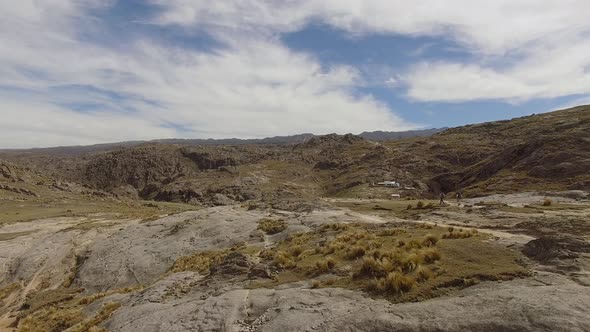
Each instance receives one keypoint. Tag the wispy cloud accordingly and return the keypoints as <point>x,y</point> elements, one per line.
<point>522,49</point>
<point>59,85</point>
<point>251,87</point>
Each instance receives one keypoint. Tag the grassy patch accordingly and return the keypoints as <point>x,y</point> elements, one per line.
<point>406,209</point>
<point>514,209</point>
<point>63,309</point>
<point>398,262</point>
<point>272,226</point>
<point>56,319</point>
<point>51,319</point>
<point>91,324</point>
<point>19,211</point>
<point>198,262</point>
<point>10,236</point>
<point>7,290</point>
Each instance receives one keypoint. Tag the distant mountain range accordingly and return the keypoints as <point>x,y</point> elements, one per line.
<point>293,139</point>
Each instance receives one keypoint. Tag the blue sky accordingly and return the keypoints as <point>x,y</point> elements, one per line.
<point>89,71</point>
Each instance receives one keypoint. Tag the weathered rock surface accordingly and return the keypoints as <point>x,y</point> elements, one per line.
<point>551,247</point>
<point>552,304</point>
<point>140,253</point>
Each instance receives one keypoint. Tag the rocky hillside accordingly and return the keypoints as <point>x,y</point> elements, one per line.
<point>549,151</point>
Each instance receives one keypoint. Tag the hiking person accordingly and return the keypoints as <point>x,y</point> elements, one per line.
<point>442,198</point>
<point>459,196</point>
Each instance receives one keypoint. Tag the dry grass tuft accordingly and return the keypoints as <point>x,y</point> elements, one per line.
<point>423,274</point>
<point>52,319</point>
<point>393,283</point>
<point>199,262</point>
<point>271,226</point>
<point>295,251</point>
<point>335,227</point>
<point>414,244</point>
<point>391,232</point>
<point>430,240</point>
<point>460,234</point>
<point>92,324</point>
<point>411,262</point>
<point>330,281</point>
<point>284,260</point>
<point>324,265</point>
<point>93,297</point>
<point>6,291</point>
<point>355,252</point>
<point>370,267</point>
<point>547,202</point>
<point>402,263</point>
<point>430,255</point>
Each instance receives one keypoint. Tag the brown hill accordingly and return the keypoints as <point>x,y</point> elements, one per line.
<point>549,151</point>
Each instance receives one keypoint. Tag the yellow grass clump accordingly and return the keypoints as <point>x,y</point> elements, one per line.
<point>393,283</point>
<point>198,262</point>
<point>272,226</point>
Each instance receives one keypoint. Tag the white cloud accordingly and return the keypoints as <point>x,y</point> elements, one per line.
<point>546,71</point>
<point>254,87</point>
<point>491,26</point>
<point>522,49</point>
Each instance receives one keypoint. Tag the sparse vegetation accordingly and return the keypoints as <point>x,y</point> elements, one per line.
<point>198,262</point>
<point>51,319</point>
<point>92,324</point>
<point>295,251</point>
<point>405,260</point>
<point>400,263</point>
<point>430,240</point>
<point>355,252</point>
<point>272,226</point>
<point>460,234</point>
<point>285,260</point>
<point>430,255</point>
<point>325,265</point>
<point>7,290</point>
<point>393,283</point>
<point>423,274</point>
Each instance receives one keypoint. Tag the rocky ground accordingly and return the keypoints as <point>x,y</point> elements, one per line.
<point>96,272</point>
